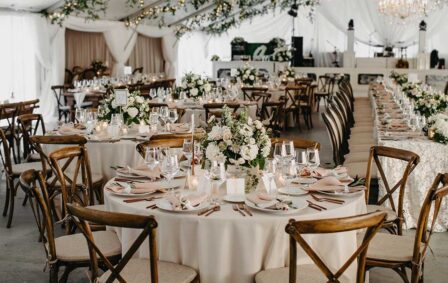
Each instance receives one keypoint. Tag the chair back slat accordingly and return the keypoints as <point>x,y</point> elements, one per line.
<point>371,222</point>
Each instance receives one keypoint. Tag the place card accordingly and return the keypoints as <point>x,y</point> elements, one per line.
<point>235,186</point>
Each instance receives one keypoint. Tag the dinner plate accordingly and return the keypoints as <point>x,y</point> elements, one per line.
<point>292,191</point>
<point>165,205</point>
<point>125,194</point>
<point>305,180</point>
<point>341,193</point>
<point>298,203</point>
<point>122,172</point>
<point>234,198</point>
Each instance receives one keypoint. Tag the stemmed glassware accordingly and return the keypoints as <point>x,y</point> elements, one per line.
<point>80,115</point>
<point>173,116</point>
<point>187,149</point>
<point>152,157</point>
<point>313,159</point>
<point>170,167</point>
<point>269,170</point>
<point>284,152</point>
<point>163,113</point>
<point>301,160</point>
<point>91,120</point>
<point>289,173</point>
<point>217,176</point>
<point>153,121</point>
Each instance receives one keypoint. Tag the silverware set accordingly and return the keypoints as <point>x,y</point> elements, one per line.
<point>242,209</point>
<point>132,200</point>
<point>209,210</point>
<point>315,206</point>
<point>326,199</point>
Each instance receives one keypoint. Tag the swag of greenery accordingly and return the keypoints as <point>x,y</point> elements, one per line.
<point>211,16</point>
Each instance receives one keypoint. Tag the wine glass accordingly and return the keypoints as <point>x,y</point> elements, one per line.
<point>172,116</point>
<point>301,160</point>
<point>313,157</point>
<point>80,115</point>
<point>289,173</point>
<point>163,113</point>
<point>278,148</point>
<point>216,175</point>
<point>170,167</point>
<point>152,93</point>
<point>153,121</point>
<point>288,150</point>
<point>91,120</point>
<point>198,152</point>
<point>152,157</point>
<point>269,170</point>
<point>187,149</point>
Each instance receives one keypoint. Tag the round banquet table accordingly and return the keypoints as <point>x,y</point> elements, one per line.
<point>227,247</point>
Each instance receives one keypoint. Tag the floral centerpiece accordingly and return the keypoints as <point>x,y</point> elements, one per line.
<point>412,90</point>
<point>237,141</point>
<point>431,102</point>
<point>282,54</point>
<point>247,74</point>
<point>439,124</point>
<point>194,85</point>
<point>400,79</point>
<point>135,111</point>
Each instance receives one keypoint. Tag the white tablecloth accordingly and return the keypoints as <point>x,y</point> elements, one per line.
<point>226,247</point>
<point>433,160</point>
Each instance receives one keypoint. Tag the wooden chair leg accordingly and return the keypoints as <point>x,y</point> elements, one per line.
<point>12,196</point>
<point>25,200</point>
<point>8,192</point>
<point>54,270</point>
<point>67,271</point>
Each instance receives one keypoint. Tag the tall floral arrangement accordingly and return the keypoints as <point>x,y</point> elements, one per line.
<point>136,110</point>
<point>237,141</point>
<point>412,90</point>
<point>194,85</point>
<point>247,74</point>
<point>288,72</point>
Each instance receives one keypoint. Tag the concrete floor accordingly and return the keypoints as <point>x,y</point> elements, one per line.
<point>22,257</point>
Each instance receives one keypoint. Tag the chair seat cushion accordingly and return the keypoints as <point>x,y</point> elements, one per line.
<point>359,169</point>
<point>389,247</point>
<point>138,271</point>
<point>18,169</point>
<point>391,215</point>
<point>74,247</point>
<point>305,273</point>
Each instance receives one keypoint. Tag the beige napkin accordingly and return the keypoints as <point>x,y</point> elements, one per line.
<point>179,128</point>
<point>398,126</point>
<point>144,171</point>
<point>262,200</point>
<point>332,184</point>
<point>138,188</point>
<point>322,172</point>
<point>187,202</point>
<point>67,129</point>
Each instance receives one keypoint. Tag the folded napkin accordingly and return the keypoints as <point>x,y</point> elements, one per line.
<point>322,172</point>
<point>262,200</point>
<point>186,202</point>
<point>136,188</point>
<point>69,129</point>
<point>179,128</point>
<point>332,184</point>
<point>144,171</point>
<point>397,126</point>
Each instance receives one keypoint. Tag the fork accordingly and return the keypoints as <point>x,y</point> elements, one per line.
<point>140,199</point>
<point>235,207</point>
<point>243,207</point>
<point>331,200</point>
<point>316,206</point>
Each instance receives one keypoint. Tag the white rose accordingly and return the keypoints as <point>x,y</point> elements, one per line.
<point>140,99</point>
<point>212,153</point>
<point>200,82</point>
<point>113,104</point>
<point>132,111</point>
<point>258,124</point>
<point>249,121</point>
<point>207,87</point>
<point>247,72</point>
<point>252,77</point>
<point>215,133</point>
<point>131,100</point>
<point>251,141</point>
<point>226,134</point>
<point>194,92</point>
<point>184,85</point>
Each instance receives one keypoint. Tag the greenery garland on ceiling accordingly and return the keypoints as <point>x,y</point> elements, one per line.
<point>213,17</point>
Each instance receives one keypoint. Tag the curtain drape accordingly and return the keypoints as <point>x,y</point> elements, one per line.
<point>148,54</point>
<point>81,48</point>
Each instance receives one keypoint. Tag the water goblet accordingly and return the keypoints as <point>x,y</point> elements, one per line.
<point>187,149</point>
<point>313,157</point>
<point>170,167</point>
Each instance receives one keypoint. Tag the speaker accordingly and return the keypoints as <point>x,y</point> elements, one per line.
<point>297,55</point>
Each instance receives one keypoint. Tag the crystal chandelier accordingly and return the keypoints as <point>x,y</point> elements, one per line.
<point>408,9</point>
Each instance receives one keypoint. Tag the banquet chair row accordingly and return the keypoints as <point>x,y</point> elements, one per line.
<point>299,100</point>
<point>325,89</point>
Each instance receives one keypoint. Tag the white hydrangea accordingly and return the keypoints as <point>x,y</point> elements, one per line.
<point>207,87</point>
<point>215,134</point>
<point>213,153</point>
<point>194,92</point>
<point>249,152</point>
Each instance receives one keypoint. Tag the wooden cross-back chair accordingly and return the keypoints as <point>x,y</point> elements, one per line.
<point>271,115</point>
<point>167,141</point>
<point>248,91</point>
<point>394,221</point>
<point>307,105</point>
<point>12,174</point>
<point>8,114</point>
<point>293,95</point>
<point>333,133</point>
<point>401,252</point>
<point>75,186</point>
<point>128,269</point>
<point>343,136</point>
<point>39,142</point>
<point>138,70</point>
<point>303,81</point>
<point>261,98</point>
<point>325,89</point>
<point>319,271</point>
<point>69,251</point>
<point>63,108</point>
<point>30,125</point>
<point>298,143</point>
<point>215,108</point>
